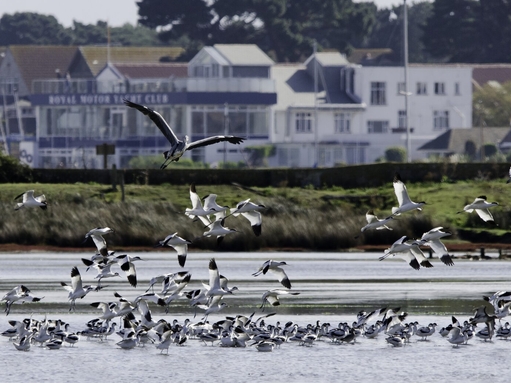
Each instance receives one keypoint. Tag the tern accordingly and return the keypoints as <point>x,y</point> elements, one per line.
<point>178,147</point>
<point>481,208</point>
<point>405,203</point>
<point>30,201</point>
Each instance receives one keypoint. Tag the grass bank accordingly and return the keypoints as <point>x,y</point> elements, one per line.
<point>326,219</point>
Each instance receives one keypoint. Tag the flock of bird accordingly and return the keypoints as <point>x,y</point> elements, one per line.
<point>241,331</point>
<point>410,249</point>
<point>238,331</point>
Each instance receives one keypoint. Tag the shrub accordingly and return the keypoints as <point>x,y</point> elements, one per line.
<point>395,154</point>
<point>12,170</point>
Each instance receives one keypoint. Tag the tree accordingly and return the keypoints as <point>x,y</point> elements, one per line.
<point>492,105</point>
<point>32,28</point>
<point>395,154</point>
<point>388,32</point>
<point>469,31</point>
<point>284,29</point>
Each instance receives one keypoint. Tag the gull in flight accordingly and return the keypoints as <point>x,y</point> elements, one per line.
<point>178,147</point>
<point>405,203</point>
<point>30,201</point>
<point>481,206</point>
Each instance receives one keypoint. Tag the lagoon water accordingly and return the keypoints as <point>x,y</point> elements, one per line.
<point>333,288</point>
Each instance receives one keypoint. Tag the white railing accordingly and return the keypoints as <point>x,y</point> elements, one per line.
<point>261,85</point>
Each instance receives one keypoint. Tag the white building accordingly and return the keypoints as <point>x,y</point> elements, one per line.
<point>322,112</point>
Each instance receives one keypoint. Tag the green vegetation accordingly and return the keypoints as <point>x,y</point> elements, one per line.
<point>317,219</point>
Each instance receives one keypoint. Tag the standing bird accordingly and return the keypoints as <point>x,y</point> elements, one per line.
<point>30,201</point>
<point>405,203</point>
<point>177,243</point>
<point>481,208</point>
<point>178,147</point>
<point>274,267</point>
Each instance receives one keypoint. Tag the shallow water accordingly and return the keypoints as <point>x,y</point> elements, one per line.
<point>333,287</point>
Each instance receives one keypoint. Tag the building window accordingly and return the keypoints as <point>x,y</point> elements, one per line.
<point>457,91</point>
<point>304,122</point>
<point>440,88</point>
<point>377,126</point>
<point>422,88</point>
<point>440,119</point>
<point>401,88</point>
<point>401,119</point>
<point>342,122</point>
<point>378,93</point>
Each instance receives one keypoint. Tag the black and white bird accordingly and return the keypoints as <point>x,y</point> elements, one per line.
<point>30,201</point>
<point>275,268</point>
<point>18,294</point>
<point>178,147</point>
<point>126,263</point>
<point>197,210</point>
<point>432,239</point>
<point>250,211</point>
<point>373,222</point>
<point>405,203</point>
<point>480,206</point>
<point>177,243</point>
<point>76,290</point>
<point>509,178</point>
<point>409,251</point>
<point>218,229</point>
<point>272,297</point>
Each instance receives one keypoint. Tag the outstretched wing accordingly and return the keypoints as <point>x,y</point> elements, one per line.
<point>401,192</point>
<point>157,119</point>
<point>213,140</point>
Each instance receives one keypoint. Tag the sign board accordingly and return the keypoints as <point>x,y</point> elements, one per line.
<point>105,149</point>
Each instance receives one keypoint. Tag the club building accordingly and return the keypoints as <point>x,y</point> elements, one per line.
<point>60,103</point>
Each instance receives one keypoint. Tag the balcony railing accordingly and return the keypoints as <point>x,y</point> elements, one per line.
<point>195,84</point>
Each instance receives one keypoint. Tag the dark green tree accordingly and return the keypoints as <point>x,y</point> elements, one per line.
<point>284,29</point>
<point>32,28</point>
<point>474,31</point>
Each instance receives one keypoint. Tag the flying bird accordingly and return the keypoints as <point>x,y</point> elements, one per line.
<point>481,206</point>
<point>250,211</point>
<point>432,239</point>
<point>405,203</point>
<point>30,201</point>
<point>373,222</point>
<point>274,267</point>
<point>178,147</point>
<point>177,243</point>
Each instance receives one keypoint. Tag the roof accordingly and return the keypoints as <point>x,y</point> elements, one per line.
<point>484,73</point>
<point>329,59</point>
<point>244,54</point>
<point>152,70</point>
<point>454,140</point>
<point>295,88</point>
<point>357,56</point>
<point>37,62</point>
<point>97,56</point>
